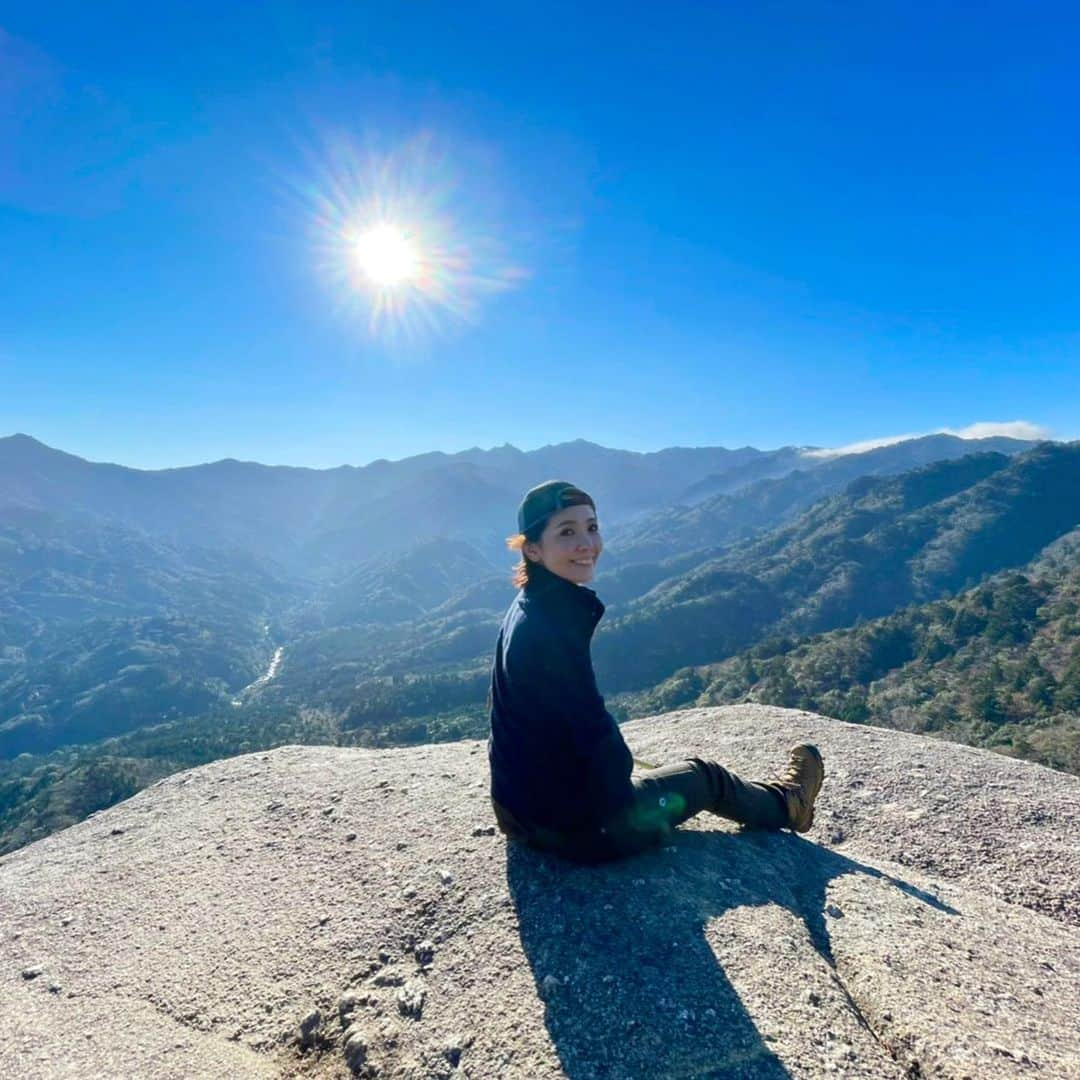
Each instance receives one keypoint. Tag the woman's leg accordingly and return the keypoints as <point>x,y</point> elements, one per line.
<point>662,799</point>
<point>667,796</point>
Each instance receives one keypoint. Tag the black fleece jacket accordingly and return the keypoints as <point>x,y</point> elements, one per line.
<point>558,759</point>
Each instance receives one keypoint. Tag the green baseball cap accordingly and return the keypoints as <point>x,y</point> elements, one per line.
<point>542,501</point>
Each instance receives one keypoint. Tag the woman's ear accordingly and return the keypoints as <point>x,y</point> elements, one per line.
<point>531,551</point>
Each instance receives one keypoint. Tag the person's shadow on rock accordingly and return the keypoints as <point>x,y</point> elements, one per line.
<point>631,988</point>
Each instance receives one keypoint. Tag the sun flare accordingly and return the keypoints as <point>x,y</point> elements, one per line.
<point>403,239</point>
<point>387,256</point>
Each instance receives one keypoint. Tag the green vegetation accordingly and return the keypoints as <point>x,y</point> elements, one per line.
<point>997,666</point>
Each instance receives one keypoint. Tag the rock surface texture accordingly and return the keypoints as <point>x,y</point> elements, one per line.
<point>334,913</point>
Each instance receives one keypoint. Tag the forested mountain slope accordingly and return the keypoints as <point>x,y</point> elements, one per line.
<point>880,545</point>
<point>997,665</point>
<point>105,628</point>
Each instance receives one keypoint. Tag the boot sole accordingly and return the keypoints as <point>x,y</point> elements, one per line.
<point>805,824</point>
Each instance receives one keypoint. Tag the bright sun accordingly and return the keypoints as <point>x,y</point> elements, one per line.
<point>387,256</point>
<point>403,240</point>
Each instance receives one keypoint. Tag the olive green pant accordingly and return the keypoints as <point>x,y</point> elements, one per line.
<point>662,798</point>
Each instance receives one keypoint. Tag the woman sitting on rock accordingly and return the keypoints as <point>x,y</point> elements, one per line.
<point>560,770</point>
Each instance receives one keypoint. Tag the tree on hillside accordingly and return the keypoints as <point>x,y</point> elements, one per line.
<point>1013,608</point>
<point>103,783</point>
<point>1067,697</point>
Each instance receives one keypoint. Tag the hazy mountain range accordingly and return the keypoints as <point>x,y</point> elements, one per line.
<point>314,523</point>
<point>145,602</point>
<point>243,557</point>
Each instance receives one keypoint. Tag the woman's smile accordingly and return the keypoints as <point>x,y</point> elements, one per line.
<point>570,544</point>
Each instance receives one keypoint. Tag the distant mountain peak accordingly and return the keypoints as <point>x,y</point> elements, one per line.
<point>24,445</point>
<point>22,439</point>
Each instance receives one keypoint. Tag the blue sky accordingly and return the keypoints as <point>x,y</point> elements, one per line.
<point>696,224</point>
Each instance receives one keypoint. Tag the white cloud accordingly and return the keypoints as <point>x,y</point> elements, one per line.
<point>984,429</point>
<point>1010,429</point>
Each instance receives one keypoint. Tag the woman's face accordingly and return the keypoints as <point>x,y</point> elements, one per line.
<point>569,545</point>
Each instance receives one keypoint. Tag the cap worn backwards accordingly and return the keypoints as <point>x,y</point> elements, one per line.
<point>542,501</point>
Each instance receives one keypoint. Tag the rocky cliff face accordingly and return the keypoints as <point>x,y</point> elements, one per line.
<point>329,913</point>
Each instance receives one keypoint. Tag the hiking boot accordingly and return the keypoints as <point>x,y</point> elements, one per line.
<point>801,783</point>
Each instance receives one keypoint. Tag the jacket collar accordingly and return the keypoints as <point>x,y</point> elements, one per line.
<point>574,603</point>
